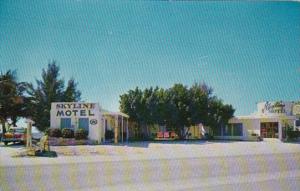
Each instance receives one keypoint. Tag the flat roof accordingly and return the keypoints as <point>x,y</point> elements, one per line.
<point>115,114</point>
<point>261,116</point>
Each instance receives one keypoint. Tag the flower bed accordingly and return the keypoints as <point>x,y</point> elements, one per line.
<point>66,136</point>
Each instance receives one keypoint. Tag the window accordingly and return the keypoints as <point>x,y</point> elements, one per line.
<point>297,123</point>
<point>237,129</point>
<point>65,123</point>
<point>226,130</point>
<point>234,129</point>
<point>84,123</point>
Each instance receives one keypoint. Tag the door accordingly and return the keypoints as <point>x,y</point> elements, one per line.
<point>269,130</point>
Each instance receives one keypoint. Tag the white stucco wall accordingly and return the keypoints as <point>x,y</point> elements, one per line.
<point>266,112</point>
<point>252,124</point>
<point>75,111</point>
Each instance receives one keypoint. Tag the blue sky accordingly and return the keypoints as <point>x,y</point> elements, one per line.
<point>247,51</point>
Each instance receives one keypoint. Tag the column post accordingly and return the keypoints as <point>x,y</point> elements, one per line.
<point>279,130</point>
<point>127,132</point>
<point>116,129</point>
<point>122,124</point>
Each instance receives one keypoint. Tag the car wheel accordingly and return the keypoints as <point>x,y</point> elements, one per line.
<point>5,143</point>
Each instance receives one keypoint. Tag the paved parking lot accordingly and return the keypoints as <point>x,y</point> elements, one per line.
<point>196,165</point>
<point>149,150</point>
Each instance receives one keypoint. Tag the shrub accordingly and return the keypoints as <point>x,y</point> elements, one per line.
<point>291,134</point>
<point>208,136</point>
<point>47,131</point>
<point>67,133</point>
<point>81,134</point>
<point>54,132</point>
<point>133,139</point>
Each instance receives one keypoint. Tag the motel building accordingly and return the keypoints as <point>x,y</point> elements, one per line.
<point>91,117</point>
<point>269,121</point>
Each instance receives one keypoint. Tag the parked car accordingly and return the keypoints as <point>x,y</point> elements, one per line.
<point>14,134</point>
<point>36,134</point>
<point>18,134</point>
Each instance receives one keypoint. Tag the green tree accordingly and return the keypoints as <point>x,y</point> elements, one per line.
<point>12,98</point>
<point>50,89</point>
<point>218,113</point>
<point>178,107</point>
<point>199,95</point>
<point>134,104</point>
<point>159,106</point>
<point>131,103</point>
<point>148,105</point>
<point>71,93</point>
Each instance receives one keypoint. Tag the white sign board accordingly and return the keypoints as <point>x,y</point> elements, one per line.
<point>296,109</point>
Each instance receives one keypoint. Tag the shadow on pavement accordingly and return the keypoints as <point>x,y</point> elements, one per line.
<point>145,144</point>
<point>13,145</point>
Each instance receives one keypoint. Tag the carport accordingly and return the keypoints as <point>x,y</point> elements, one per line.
<point>119,124</point>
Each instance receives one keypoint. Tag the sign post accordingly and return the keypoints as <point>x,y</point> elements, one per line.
<point>28,133</point>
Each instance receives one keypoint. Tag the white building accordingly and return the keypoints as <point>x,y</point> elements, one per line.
<point>91,117</point>
<point>269,121</point>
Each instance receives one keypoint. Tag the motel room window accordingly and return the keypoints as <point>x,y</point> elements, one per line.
<point>233,129</point>
<point>227,130</point>
<point>84,123</point>
<point>297,123</point>
<point>65,123</point>
<point>237,129</point>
